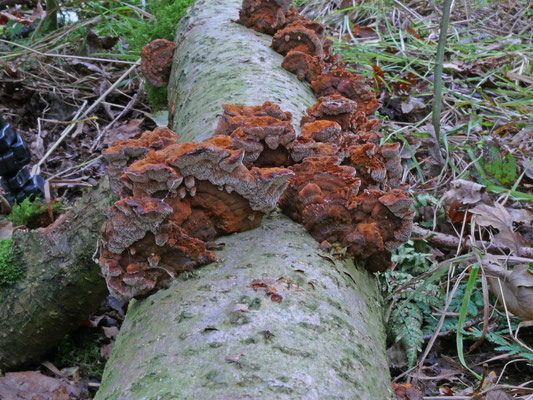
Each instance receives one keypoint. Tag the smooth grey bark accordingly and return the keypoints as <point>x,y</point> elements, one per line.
<point>214,334</point>
<point>63,285</point>
<point>218,61</point>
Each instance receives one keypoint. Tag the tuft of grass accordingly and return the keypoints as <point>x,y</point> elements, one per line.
<point>10,270</point>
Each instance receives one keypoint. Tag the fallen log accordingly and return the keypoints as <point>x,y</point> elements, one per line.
<point>273,317</point>
<point>63,285</point>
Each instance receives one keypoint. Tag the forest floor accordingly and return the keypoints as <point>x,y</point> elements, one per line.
<point>455,329</point>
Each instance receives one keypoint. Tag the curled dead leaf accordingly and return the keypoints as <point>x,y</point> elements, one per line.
<point>514,287</point>
<point>466,192</point>
<point>499,218</point>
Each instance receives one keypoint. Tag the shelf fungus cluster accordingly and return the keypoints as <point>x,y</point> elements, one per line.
<point>173,203</point>
<point>346,187</point>
<point>334,178</point>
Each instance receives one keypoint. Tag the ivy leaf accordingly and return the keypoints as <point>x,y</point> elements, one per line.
<point>501,167</point>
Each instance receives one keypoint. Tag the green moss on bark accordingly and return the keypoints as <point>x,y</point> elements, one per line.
<point>11,270</point>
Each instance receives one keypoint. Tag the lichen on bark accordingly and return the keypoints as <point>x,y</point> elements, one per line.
<point>212,335</point>
<point>62,285</point>
<point>217,61</point>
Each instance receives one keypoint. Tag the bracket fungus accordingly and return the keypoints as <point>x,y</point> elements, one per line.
<point>156,61</point>
<point>265,16</point>
<point>334,178</point>
<point>325,198</point>
<point>124,152</point>
<point>297,38</point>
<point>176,201</point>
<point>303,65</point>
<point>346,187</point>
<point>347,84</point>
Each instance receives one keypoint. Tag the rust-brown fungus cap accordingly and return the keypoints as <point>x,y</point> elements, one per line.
<point>303,65</point>
<point>265,16</point>
<point>156,61</point>
<point>326,198</point>
<point>333,108</point>
<point>264,141</point>
<point>125,151</point>
<point>140,251</point>
<point>234,116</point>
<point>349,85</point>
<point>297,38</point>
<point>377,165</point>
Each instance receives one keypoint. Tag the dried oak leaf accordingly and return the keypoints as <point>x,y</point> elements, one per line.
<point>499,218</point>
<point>466,192</point>
<point>514,287</point>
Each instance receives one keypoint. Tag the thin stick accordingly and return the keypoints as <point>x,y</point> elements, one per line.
<point>36,168</point>
<point>450,241</point>
<point>85,113</point>
<point>67,55</point>
<point>437,92</point>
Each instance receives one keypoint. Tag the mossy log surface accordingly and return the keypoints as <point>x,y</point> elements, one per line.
<point>218,61</point>
<point>212,335</point>
<point>63,285</point>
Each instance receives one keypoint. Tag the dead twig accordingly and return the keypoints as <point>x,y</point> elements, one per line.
<point>449,241</point>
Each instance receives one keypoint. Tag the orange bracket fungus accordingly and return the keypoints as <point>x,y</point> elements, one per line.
<point>265,16</point>
<point>124,152</point>
<point>156,61</point>
<point>335,178</point>
<point>296,37</point>
<point>176,201</point>
<point>346,187</point>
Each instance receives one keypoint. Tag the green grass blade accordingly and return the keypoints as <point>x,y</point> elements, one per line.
<point>462,316</point>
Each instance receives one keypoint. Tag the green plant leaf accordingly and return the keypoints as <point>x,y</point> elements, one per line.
<point>462,316</point>
<point>501,167</point>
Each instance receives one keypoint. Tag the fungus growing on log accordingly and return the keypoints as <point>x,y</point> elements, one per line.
<point>234,116</point>
<point>156,61</point>
<point>325,198</point>
<point>124,152</point>
<point>263,132</point>
<point>332,108</point>
<point>297,38</point>
<point>265,16</point>
<point>347,84</point>
<point>181,198</point>
<point>303,65</point>
<point>376,165</point>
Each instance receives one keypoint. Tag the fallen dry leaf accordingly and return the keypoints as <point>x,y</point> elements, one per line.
<point>110,332</point>
<point>125,131</point>
<point>498,217</point>
<point>516,286</point>
<point>32,385</point>
<point>465,192</point>
<point>406,391</point>
<point>497,395</point>
<point>105,351</point>
<point>6,230</point>
<point>411,104</point>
